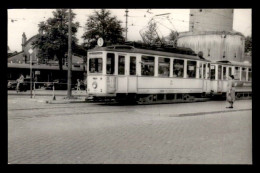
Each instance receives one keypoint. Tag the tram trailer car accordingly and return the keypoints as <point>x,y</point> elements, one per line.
<point>242,72</point>
<point>126,73</point>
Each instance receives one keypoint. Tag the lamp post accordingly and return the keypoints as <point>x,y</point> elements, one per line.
<point>30,52</point>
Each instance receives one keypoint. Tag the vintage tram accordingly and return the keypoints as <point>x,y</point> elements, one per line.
<point>127,73</point>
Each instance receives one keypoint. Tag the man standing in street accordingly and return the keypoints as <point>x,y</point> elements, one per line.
<point>230,91</point>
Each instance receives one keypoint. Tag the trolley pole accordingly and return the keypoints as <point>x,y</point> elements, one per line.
<point>126,16</point>
<point>69,59</point>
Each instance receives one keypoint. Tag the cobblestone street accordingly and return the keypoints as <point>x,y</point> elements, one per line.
<point>83,133</point>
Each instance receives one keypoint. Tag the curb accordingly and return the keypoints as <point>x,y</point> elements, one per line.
<point>65,101</point>
<point>28,94</point>
<point>212,112</point>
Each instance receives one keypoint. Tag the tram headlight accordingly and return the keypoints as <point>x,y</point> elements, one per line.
<point>94,85</point>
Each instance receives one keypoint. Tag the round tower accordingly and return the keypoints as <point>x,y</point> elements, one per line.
<point>211,20</point>
<point>211,32</point>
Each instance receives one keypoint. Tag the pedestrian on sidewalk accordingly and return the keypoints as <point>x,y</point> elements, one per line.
<point>231,91</point>
<point>19,81</point>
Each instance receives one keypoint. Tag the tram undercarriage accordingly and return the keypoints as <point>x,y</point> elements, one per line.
<point>154,98</point>
<point>167,98</point>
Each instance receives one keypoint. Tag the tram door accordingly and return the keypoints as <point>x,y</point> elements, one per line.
<point>205,77</point>
<point>220,82</point>
<point>110,70</point>
<point>126,79</point>
<point>122,81</point>
<point>132,78</point>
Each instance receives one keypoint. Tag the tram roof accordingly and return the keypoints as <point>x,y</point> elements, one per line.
<point>131,49</point>
<point>236,63</point>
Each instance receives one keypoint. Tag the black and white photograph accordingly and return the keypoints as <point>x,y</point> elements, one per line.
<point>169,86</point>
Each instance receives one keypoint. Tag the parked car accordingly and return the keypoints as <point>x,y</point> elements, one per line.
<point>59,84</point>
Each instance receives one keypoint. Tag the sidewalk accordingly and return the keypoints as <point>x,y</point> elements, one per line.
<point>48,92</point>
<point>196,108</point>
<point>57,97</point>
<point>176,109</point>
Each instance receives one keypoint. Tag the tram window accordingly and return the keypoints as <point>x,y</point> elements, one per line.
<point>219,72</point>
<point>224,73</point>
<point>191,69</point>
<point>237,73</point>
<point>121,65</point>
<point>204,71</point>
<point>95,65</point>
<point>164,66</point>
<point>132,65</point>
<point>209,72</point>
<point>178,68</point>
<point>243,74</point>
<point>110,63</point>
<point>229,71</point>
<point>200,71</point>
<point>212,72</point>
<point>249,74</point>
<point>147,65</point>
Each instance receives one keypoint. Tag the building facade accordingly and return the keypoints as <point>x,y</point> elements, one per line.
<point>43,72</point>
<point>210,32</point>
<point>215,45</point>
<point>211,20</point>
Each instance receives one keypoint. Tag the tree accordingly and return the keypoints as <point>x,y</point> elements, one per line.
<point>248,44</point>
<point>101,24</point>
<point>53,38</point>
<point>150,35</point>
<point>172,38</point>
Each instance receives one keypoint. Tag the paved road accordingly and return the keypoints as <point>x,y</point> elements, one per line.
<point>147,134</point>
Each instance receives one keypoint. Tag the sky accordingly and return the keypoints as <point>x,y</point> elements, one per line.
<point>27,20</point>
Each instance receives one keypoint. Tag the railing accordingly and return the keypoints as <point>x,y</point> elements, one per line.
<point>54,86</point>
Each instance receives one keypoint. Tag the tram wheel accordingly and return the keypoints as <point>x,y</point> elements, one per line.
<point>186,97</point>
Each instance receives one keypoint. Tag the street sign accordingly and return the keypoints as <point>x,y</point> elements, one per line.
<point>30,51</point>
<point>100,42</point>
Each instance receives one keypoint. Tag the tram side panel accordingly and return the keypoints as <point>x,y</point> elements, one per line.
<point>151,85</point>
